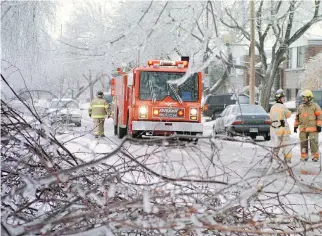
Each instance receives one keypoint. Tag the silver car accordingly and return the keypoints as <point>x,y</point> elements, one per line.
<point>243,119</point>
<point>65,111</point>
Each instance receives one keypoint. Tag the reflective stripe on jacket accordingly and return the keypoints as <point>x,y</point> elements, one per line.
<point>98,108</point>
<point>278,113</point>
<point>308,116</point>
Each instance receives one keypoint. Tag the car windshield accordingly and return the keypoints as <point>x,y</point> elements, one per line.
<point>64,104</point>
<point>243,99</point>
<point>227,99</point>
<point>251,110</point>
<point>153,85</point>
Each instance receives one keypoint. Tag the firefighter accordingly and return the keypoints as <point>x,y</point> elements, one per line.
<point>280,128</point>
<point>98,111</point>
<point>309,121</point>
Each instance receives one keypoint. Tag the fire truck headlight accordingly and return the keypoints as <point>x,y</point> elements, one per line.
<point>193,111</point>
<point>143,112</point>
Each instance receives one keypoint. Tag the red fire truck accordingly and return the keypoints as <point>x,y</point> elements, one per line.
<point>159,99</point>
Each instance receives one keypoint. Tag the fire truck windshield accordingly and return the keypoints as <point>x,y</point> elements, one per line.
<point>154,86</point>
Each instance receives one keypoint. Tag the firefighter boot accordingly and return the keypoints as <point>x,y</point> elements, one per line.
<point>304,158</point>
<point>316,157</point>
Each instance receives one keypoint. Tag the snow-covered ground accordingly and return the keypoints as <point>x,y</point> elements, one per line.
<point>241,169</point>
<point>229,161</point>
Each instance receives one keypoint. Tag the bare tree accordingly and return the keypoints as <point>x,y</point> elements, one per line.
<point>25,38</point>
<point>278,25</point>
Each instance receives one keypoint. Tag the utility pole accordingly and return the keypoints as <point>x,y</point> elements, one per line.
<point>252,55</point>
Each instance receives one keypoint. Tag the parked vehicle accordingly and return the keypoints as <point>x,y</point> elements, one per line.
<point>214,104</point>
<point>317,97</point>
<point>148,103</point>
<point>65,110</point>
<point>244,119</point>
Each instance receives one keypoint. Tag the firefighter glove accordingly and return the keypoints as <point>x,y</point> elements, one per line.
<point>319,129</point>
<point>295,129</point>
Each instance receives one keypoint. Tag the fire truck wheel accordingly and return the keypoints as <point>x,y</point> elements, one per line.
<point>121,132</point>
<point>128,128</point>
<point>115,129</point>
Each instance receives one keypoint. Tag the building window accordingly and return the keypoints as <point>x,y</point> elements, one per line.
<point>289,58</point>
<point>300,56</point>
<point>288,94</point>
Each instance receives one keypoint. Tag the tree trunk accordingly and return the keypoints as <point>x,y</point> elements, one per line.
<point>267,85</point>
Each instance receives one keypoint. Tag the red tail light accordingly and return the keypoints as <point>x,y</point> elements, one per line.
<point>237,122</point>
<point>267,122</point>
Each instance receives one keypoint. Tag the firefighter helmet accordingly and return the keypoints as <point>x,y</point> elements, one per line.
<point>307,93</point>
<point>99,94</point>
<point>279,94</point>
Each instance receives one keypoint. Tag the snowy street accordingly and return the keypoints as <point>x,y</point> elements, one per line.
<point>244,166</point>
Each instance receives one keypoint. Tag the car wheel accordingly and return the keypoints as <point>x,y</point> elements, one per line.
<point>115,129</point>
<point>228,133</point>
<point>79,124</point>
<point>267,137</point>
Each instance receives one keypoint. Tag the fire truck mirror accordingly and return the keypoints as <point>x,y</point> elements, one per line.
<point>130,79</point>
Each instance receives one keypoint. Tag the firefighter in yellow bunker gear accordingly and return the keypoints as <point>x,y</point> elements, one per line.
<point>98,110</point>
<point>279,126</point>
<point>309,121</point>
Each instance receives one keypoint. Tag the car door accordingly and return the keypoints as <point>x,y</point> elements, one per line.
<point>227,118</point>
<point>220,121</point>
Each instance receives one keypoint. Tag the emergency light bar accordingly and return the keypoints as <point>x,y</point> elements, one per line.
<point>157,63</point>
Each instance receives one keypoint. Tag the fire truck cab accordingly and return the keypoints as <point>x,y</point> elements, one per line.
<point>158,99</point>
